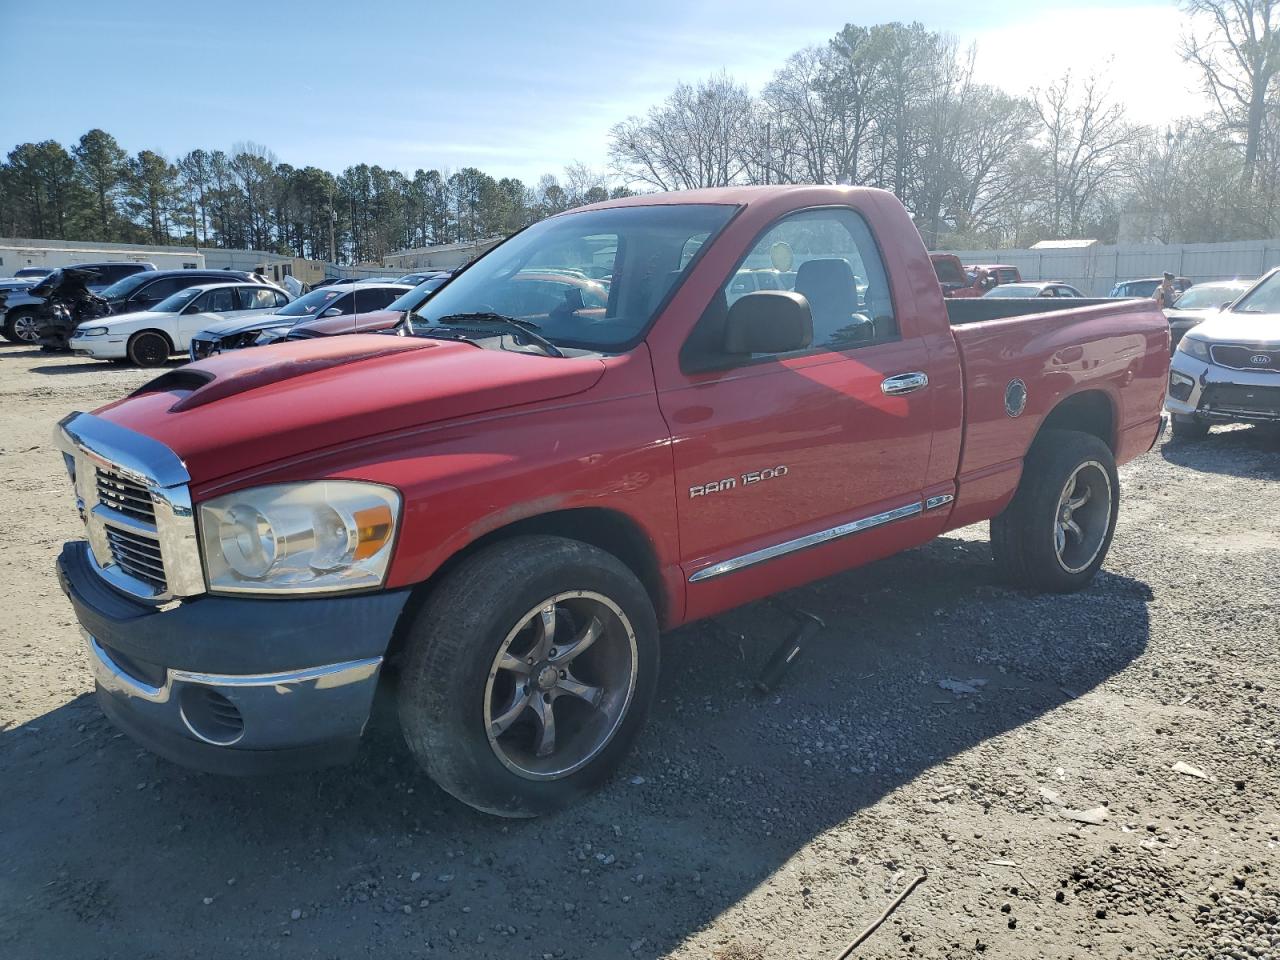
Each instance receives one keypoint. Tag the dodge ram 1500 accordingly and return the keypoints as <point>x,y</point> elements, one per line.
<point>502,507</point>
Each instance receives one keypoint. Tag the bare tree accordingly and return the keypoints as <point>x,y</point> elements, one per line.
<point>1239,59</point>
<point>695,138</point>
<point>1085,143</point>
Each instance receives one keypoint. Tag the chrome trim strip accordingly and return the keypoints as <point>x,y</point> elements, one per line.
<point>113,678</point>
<point>939,501</point>
<point>802,543</point>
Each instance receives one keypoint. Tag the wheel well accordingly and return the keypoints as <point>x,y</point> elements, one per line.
<point>137,333</point>
<point>608,530</point>
<point>1087,412</point>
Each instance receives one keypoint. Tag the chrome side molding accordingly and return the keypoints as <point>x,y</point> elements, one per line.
<point>803,543</point>
<point>941,500</point>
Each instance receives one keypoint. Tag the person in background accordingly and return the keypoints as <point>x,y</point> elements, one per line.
<point>981,279</point>
<point>1166,293</point>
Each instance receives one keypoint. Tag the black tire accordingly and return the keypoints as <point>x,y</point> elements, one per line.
<point>449,685</point>
<point>1025,538</point>
<point>149,348</point>
<point>16,330</point>
<point>1189,428</point>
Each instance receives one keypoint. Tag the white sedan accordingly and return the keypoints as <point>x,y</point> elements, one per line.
<point>149,337</point>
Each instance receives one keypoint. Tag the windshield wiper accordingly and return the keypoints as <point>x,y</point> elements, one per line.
<point>526,327</point>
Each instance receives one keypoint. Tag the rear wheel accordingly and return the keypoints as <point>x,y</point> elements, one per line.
<point>529,672</point>
<point>20,326</point>
<point>1055,533</point>
<point>1189,428</point>
<point>149,349</point>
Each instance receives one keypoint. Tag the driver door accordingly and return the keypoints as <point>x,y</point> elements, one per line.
<point>206,309</point>
<point>791,466</point>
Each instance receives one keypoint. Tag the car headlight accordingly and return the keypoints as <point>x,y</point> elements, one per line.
<point>1194,347</point>
<point>268,336</point>
<point>91,331</point>
<point>319,537</point>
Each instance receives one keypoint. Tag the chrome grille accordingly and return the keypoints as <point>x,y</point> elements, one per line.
<point>137,555</point>
<point>125,496</point>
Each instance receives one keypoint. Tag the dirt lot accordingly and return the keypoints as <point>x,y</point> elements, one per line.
<point>742,827</point>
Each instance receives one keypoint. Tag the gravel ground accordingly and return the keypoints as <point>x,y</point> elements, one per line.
<point>1044,805</point>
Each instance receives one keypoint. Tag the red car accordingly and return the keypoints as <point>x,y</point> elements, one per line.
<point>953,278</point>
<point>507,508</point>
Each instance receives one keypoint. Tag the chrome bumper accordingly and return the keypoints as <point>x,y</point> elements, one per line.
<point>275,711</point>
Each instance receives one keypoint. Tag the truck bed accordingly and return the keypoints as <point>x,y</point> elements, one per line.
<point>1114,350</point>
<point>977,310</point>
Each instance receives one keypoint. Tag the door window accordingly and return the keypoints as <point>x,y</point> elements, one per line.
<point>259,298</point>
<point>157,291</point>
<point>216,301</point>
<point>374,298</point>
<point>830,257</point>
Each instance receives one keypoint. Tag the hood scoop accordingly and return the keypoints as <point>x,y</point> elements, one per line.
<point>228,374</point>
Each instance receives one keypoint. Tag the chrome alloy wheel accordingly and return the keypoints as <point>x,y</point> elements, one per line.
<point>25,328</point>
<point>1084,516</point>
<point>560,685</point>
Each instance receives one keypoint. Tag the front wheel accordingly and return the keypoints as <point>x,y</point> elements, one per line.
<point>529,671</point>
<point>1055,533</point>
<point>149,349</point>
<point>21,326</point>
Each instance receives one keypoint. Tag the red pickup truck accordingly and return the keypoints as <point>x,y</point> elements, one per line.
<point>502,511</point>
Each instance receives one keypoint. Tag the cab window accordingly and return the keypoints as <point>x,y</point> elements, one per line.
<point>830,257</point>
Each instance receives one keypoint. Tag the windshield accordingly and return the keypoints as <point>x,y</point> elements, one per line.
<point>412,299</point>
<point>122,288</point>
<point>593,280</point>
<point>175,302</point>
<point>1204,295</point>
<point>1263,298</point>
<point>312,304</point>
<point>1014,290</point>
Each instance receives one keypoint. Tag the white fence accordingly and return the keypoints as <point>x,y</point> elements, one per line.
<point>1095,270</point>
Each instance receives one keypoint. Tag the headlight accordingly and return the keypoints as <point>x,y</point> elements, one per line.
<point>268,336</point>
<point>1194,347</point>
<point>319,537</point>
<point>91,331</point>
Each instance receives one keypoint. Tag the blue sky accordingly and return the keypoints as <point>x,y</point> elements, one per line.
<point>516,89</point>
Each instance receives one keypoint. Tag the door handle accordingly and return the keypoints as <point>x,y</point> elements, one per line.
<point>904,383</point>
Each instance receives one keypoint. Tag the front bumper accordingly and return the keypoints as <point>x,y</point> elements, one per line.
<point>103,348</point>
<point>233,685</point>
<point>1215,394</point>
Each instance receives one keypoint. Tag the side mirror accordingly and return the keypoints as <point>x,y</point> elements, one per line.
<point>768,321</point>
<point>1227,304</point>
<point>332,312</point>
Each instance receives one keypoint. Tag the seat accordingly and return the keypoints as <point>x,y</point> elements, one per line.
<point>830,287</point>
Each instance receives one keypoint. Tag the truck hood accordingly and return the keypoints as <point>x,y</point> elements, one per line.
<point>1240,328</point>
<point>251,408</point>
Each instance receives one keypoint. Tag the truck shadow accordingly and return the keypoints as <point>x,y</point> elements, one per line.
<point>110,851</point>
<point>1249,451</point>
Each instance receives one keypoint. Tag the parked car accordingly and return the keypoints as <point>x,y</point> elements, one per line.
<point>21,306</point>
<point>954,279</point>
<point>143,291</point>
<point>1200,302</point>
<point>507,509</point>
<point>1227,368</point>
<point>331,302</point>
<point>374,321</point>
<point>149,337</point>
<point>413,279</point>
<point>1039,288</point>
<point>997,273</point>
<point>1147,287</point>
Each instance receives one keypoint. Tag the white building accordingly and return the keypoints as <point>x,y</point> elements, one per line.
<point>18,253</point>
